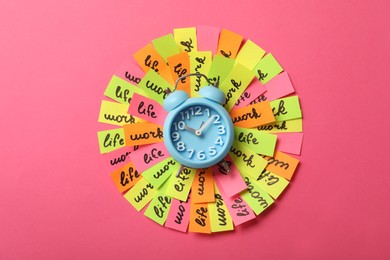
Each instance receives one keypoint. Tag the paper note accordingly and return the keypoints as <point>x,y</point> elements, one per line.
<point>253,115</point>
<point>290,142</point>
<point>282,164</point>
<point>229,43</point>
<point>267,68</point>
<point>250,55</point>
<point>289,126</point>
<point>180,65</point>
<point>200,62</point>
<point>203,186</point>
<point>149,59</point>
<point>129,72</point>
<point>125,177</point>
<point>148,155</point>
<point>119,157</point>
<point>116,114</point>
<point>239,210</point>
<point>160,172</point>
<point>235,84</point>
<point>155,86</point>
<point>142,133</point>
<point>120,90</point>
<point>166,46</point>
<point>207,38</point>
<point>272,183</point>
<point>246,160</point>
<point>179,215</point>
<point>147,109</point>
<point>220,69</point>
<point>199,218</point>
<point>232,182</point>
<point>256,197</point>
<point>110,140</point>
<point>186,39</point>
<point>254,90</point>
<point>220,219</point>
<point>158,208</point>
<point>179,186</point>
<point>286,108</point>
<point>279,87</point>
<point>141,193</point>
<point>259,142</point>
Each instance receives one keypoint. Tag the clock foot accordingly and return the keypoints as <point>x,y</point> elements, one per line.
<point>224,164</point>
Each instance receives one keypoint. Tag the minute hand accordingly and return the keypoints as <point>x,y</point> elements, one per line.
<point>199,131</point>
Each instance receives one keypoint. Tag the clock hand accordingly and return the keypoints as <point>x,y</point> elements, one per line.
<point>190,129</point>
<point>199,131</point>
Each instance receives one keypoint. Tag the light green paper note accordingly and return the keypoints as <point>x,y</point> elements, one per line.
<point>158,208</point>
<point>111,140</point>
<point>166,46</point>
<point>220,69</point>
<point>120,90</point>
<point>154,86</point>
<point>260,142</point>
<point>141,193</point>
<point>286,108</point>
<point>220,218</point>
<point>200,62</point>
<point>289,126</point>
<point>272,183</point>
<point>250,55</point>
<point>267,68</point>
<point>159,173</point>
<point>179,187</point>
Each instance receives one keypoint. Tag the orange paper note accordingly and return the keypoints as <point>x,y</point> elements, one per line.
<point>253,115</point>
<point>203,186</point>
<point>125,177</point>
<point>199,218</point>
<point>180,66</point>
<point>229,43</point>
<point>282,164</point>
<point>142,133</point>
<point>148,58</point>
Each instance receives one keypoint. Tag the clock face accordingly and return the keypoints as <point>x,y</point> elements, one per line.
<point>199,134</point>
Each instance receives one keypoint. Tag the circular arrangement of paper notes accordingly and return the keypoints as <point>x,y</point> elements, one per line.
<point>260,101</point>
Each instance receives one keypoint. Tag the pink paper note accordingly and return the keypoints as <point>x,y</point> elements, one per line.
<point>289,142</point>
<point>119,157</point>
<point>254,90</point>
<point>232,183</point>
<point>179,215</point>
<point>237,207</point>
<point>130,72</point>
<point>147,109</point>
<point>279,86</point>
<point>148,155</point>
<point>207,38</point>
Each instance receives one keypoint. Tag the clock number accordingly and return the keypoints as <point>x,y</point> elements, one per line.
<point>201,155</point>
<point>175,136</point>
<point>221,129</point>
<point>179,125</point>
<point>180,146</point>
<point>219,141</point>
<point>191,151</point>
<point>185,114</point>
<point>207,111</point>
<point>212,150</point>
<point>216,121</point>
<point>198,111</point>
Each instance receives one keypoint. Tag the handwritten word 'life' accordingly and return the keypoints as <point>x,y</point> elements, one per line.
<point>202,217</point>
<point>146,111</point>
<point>109,141</point>
<point>151,63</point>
<point>182,177</point>
<point>160,209</point>
<point>154,154</point>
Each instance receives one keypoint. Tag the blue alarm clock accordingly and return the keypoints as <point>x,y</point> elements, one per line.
<point>198,132</point>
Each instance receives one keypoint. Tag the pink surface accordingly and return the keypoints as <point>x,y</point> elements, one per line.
<point>57,200</point>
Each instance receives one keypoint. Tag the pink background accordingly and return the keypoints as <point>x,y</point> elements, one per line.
<point>57,200</point>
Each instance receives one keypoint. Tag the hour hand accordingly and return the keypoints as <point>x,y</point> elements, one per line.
<point>190,129</point>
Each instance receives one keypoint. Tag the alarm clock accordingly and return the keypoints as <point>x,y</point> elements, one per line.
<point>198,132</point>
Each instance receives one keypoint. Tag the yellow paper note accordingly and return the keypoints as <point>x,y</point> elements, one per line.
<point>186,39</point>
<point>246,160</point>
<point>160,172</point>
<point>250,55</point>
<point>155,86</point>
<point>140,194</point>
<point>158,208</point>
<point>111,140</point>
<point>267,68</point>
<point>120,90</point>
<point>260,142</point>
<point>179,187</point>
<point>288,126</point>
<point>166,46</point>
<point>200,62</point>
<point>116,114</point>
<point>220,219</point>
<point>272,183</point>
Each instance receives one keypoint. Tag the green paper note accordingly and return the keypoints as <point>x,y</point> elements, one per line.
<point>166,46</point>
<point>260,142</point>
<point>179,187</point>
<point>200,62</point>
<point>220,219</point>
<point>120,90</point>
<point>159,173</point>
<point>158,208</point>
<point>286,108</point>
<point>111,140</point>
<point>246,160</point>
<point>289,126</point>
<point>255,196</point>
<point>154,86</point>
<point>250,55</point>
<point>220,69</point>
<point>141,193</point>
<point>267,68</point>
<point>272,183</point>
